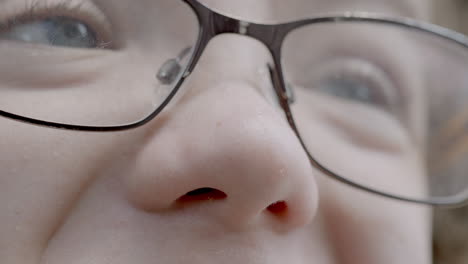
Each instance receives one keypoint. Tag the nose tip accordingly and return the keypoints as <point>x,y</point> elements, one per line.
<point>236,158</point>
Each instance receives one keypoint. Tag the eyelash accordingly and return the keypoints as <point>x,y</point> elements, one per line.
<point>82,11</point>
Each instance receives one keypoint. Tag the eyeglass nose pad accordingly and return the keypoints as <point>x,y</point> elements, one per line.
<point>289,92</point>
<point>171,69</point>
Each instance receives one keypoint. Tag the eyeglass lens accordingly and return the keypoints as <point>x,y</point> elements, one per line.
<point>390,97</point>
<point>50,86</point>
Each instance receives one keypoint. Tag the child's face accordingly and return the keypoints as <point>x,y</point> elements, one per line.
<point>121,197</point>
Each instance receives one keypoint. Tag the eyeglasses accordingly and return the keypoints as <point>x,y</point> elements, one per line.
<point>377,102</point>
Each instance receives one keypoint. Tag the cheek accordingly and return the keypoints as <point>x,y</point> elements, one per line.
<point>365,228</point>
<point>362,227</point>
<point>42,172</point>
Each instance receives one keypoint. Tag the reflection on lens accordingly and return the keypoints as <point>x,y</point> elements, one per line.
<point>55,69</point>
<point>381,105</point>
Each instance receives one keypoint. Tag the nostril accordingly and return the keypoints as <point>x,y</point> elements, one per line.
<point>278,208</point>
<point>202,194</point>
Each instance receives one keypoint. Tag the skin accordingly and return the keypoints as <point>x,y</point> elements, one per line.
<point>77,197</point>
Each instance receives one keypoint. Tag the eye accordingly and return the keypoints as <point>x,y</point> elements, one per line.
<point>55,31</point>
<point>349,88</point>
<point>357,81</point>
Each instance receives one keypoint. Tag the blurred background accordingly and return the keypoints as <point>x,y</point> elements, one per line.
<point>452,14</point>
<point>451,226</point>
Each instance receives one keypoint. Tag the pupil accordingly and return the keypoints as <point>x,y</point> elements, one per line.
<point>74,30</point>
<point>346,88</point>
<point>71,33</point>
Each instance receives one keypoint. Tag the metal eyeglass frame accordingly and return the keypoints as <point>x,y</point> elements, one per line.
<point>212,24</point>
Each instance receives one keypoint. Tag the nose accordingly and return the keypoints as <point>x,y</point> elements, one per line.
<point>224,150</point>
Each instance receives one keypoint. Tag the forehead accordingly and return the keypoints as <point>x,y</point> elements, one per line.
<point>412,8</point>
<point>293,9</point>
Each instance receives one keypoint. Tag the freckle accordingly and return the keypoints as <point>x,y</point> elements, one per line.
<point>121,224</point>
<point>219,123</point>
<point>282,172</point>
